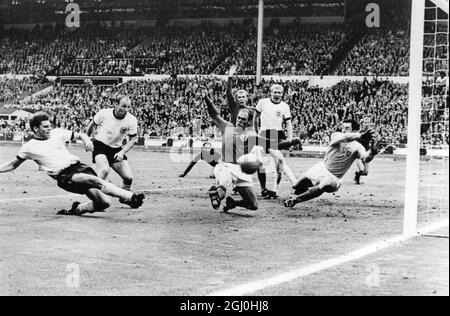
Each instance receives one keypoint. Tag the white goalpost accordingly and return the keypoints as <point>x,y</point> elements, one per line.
<point>426,194</point>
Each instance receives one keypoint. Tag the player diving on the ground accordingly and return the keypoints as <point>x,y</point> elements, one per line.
<point>325,177</point>
<point>207,154</point>
<point>48,150</point>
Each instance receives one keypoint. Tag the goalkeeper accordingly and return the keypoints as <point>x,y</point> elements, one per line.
<point>325,177</point>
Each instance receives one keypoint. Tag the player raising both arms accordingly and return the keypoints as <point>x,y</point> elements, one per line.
<point>48,150</point>
<point>325,177</point>
<point>236,142</point>
<point>113,126</point>
<point>208,154</point>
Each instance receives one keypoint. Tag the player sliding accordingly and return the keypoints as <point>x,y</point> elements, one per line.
<point>113,126</point>
<point>237,141</point>
<point>48,150</point>
<point>209,155</point>
<point>325,177</point>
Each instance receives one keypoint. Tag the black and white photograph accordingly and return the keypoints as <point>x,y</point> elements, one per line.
<point>224,152</point>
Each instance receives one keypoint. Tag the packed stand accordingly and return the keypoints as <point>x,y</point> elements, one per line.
<point>14,88</point>
<point>291,49</point>
<point>382,51</point>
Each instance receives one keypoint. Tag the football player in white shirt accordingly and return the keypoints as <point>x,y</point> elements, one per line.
<point>272,113</point>
<point>48,150</point>
<point>113,125</point>
<point>325,177</point>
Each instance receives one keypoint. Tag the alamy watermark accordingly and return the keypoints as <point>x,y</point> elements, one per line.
<point>73,17</point>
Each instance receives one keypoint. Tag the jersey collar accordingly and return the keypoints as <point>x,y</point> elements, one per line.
<point>114,113</point>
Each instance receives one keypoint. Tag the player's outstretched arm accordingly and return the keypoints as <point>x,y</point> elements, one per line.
<point>232,104</point>
<point>215,116</point>
<point>339,138</point>
<point>86,140</point>
<point>230,97</point>
<point>90,129</point>
<point>11,165</point>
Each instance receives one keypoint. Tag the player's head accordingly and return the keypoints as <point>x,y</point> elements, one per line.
<point>40,125</point>
<point>242,98</point>
<point>207,146</point>
<point>350,126</point>
<point>366,123</point>
<point>276,93</point>
<point>244,118</point>
<point>122,108</point>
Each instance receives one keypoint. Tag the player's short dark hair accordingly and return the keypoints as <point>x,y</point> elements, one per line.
<point>37,119</point>
<point>207,143</point>
<point>355,125</point>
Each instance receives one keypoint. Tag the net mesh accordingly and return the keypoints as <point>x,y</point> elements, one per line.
<point>434,175</point>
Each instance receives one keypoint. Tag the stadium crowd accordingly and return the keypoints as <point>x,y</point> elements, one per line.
<point>44,11</point>
<point>382,51</point>
<point>290,49</point>
<point>14,88</point>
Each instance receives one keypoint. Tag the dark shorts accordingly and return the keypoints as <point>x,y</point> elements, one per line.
<point>274,137</point>
<point>103,149</point>
<point>64,178</point>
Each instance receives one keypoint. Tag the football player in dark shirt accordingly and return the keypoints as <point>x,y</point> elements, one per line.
<point>207,154</point>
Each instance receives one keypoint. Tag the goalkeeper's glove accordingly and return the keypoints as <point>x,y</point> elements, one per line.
<point>376,147</point>
<point>367,136</point>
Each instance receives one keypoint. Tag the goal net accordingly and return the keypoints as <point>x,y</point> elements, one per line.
<point>429,75</point>
<point>434,171</point>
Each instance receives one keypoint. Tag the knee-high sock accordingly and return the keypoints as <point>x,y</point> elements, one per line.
<point>288,172</point>
<point>112,190</point>
<point>275,181</point>
<point>280,163</point>
<point>262,179</point>
<point>312,193</point>
<point>127,184</point>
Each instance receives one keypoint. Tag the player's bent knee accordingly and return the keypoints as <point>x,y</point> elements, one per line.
<point>103,172</point>
<point>127,180</point>
<point>103,205</point>
<point>329,186</point>
<point>253,206</point>
<point>96,183</point>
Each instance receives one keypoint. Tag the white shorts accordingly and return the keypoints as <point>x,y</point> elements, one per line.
<point>319,172</point>
<point>231,174</point>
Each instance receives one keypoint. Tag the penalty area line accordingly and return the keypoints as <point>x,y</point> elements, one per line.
<point>255,286</point>
<point>53,197</point>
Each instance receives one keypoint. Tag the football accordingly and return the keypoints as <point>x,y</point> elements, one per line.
<point>249,163</point>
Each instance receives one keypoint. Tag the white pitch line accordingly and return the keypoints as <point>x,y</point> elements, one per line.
<point>52,197</point>
<point>324,265</point>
